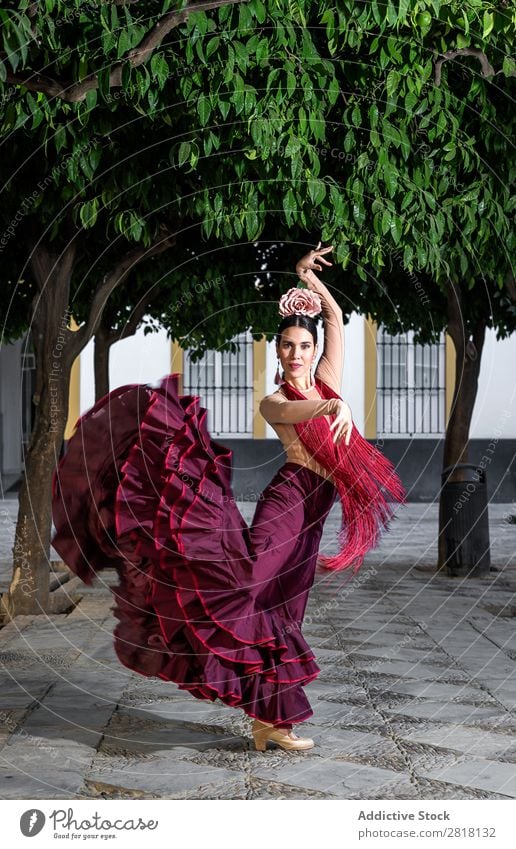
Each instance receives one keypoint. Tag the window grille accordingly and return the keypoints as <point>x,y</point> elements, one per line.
<point>411,394</point>
<point>223,380</point>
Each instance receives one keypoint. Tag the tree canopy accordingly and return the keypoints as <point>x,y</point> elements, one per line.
<point>156,143</point>
<point>385,129</point>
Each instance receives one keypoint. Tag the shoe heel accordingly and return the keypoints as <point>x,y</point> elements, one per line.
<point>260,740</point>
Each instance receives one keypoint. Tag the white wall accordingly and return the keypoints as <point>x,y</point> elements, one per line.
<point>145,359</point>
<point>495,407</point>
<point>139,359</point>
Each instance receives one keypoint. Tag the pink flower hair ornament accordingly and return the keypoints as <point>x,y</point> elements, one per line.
<point>300,301</point>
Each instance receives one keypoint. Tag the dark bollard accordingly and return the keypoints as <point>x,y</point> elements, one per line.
<point>465,525</point>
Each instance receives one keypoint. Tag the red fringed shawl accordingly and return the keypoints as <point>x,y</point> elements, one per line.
<point>359,471</point>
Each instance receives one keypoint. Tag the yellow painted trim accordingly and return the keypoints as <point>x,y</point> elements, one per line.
<point>177,363</point>
<point>370,375</point>
<point>259,386</point>
<point>74,392</point>
<point>450,365</point>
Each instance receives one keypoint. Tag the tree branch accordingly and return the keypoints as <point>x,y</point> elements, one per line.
<point>510,285</point>
<point>76,92</point>
<point>131,326</point>
<point>487,69</point>
<point>110,282</point>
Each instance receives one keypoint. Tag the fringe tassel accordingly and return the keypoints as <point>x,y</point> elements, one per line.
<point>360,472</point>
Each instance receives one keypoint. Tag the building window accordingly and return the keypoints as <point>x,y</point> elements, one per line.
<point>224,382</point>
<point>411,394</point>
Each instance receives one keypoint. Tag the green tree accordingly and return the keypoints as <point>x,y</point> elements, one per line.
<point>385,127</point>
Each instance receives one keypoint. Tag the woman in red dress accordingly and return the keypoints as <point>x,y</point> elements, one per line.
<point>203,600</point>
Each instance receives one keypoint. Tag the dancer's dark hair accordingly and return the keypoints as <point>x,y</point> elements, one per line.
<point>297,320</point>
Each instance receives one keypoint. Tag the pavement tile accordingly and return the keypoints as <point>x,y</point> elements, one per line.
<point>332,777</point>
<point>479,773</point>
<point>128,733</point>
<point>409,669</point>
<point>440,692</point>
<point>62,784</point>
<point>466,740</point>
<point>447,711</point>
<point>328,713</point>
<point>164,777</point>
<point>401,709</point>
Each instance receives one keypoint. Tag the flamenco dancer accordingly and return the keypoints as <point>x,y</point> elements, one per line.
<point>203,600</point>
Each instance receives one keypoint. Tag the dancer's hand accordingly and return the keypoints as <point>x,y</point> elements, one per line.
<point>311,260</point>
<point>342,423</point>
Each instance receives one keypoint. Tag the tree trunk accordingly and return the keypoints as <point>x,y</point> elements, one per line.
<point>29,588</point>
<point>56,347</point>
<point>467,369</point>
<point>102,347</point>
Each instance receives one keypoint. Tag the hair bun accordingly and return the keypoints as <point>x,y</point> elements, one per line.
<point>301,302</point>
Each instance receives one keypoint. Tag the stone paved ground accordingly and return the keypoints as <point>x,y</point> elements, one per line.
<point>415,700</point>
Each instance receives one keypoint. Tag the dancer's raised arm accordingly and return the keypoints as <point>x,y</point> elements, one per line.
<point>329,367</point>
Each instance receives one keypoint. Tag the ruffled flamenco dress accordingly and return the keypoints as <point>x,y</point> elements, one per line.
<point>203,600</point>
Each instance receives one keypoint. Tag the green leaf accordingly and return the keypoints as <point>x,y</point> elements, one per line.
<point>124,43</point>
<point>317,191</point>
<point>258,9</point>
<point>407,200</point>
<point>88,213</point>
<point>392,15</point>
<point>402,10</point>
<point>293,146</point>
<point>224,108</point>
<point>390,176</point>
<point>159,68</point>
<point>386,222</point>
<point>488,23</point>
<point>203,110</point>
<point>396,230</point>
<point>290,206</point>
<point>184,152</point>
<point>393,79</point>
<point>343,254</point>
<point>212,46</point>
<point>333,90</point>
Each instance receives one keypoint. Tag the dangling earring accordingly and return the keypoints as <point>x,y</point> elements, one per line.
<point>278,379</point>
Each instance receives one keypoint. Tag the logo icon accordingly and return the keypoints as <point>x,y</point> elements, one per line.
<point>31,822</point>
